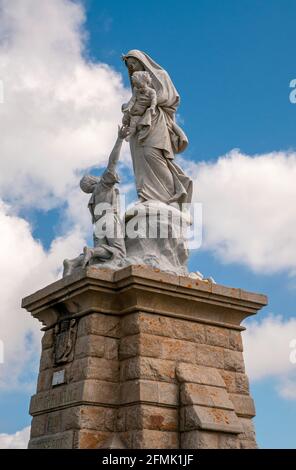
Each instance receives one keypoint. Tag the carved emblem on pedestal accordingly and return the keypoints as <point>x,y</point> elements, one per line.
<point>64,340</point>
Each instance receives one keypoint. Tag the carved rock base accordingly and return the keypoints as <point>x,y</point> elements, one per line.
<point>156,236</point>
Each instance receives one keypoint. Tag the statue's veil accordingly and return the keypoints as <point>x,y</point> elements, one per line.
<point>167,95</point>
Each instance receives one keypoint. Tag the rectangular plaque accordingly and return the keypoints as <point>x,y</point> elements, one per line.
<point>58,378</point>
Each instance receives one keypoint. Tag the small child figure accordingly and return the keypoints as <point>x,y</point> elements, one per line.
<point>142,105</point>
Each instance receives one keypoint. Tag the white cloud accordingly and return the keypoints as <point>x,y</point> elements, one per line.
<point>60,110</point>
<point>267,346</point>
<point>249,217</point>
<point>269,351</point>
<point>249,209</point>
<point>19,440</point>
<point>24,268</point>
<point>287,389</point>
<point>59,117</point>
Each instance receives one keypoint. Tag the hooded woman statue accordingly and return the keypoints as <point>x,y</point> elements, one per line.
<point>153,146</point>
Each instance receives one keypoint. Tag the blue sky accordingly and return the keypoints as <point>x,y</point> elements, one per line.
<point>232,62</point>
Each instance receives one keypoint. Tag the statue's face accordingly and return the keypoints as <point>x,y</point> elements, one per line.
<point>133,65</point>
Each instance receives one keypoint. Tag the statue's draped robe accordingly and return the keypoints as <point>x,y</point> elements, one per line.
<point>157,175</point>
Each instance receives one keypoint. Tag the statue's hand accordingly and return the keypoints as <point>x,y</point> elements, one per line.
<point>152,110</point>
<point>123,132</point>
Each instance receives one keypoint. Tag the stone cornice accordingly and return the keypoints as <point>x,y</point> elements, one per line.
<point>142,289</point>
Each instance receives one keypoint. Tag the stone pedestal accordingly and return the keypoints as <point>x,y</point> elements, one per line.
<point>138,358</point>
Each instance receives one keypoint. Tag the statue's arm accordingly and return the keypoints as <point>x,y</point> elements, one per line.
<point>153,98</point>
<point>114,155</point>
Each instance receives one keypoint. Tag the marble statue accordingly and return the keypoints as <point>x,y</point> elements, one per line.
<point>109,245</point>
<point>152,232</point>
<point>142,106</point>
<point>163,188</point>
<point>153,147</point>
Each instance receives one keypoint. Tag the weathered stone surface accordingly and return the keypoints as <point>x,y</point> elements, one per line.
<point>236,382</point>
<point>91,345</point>
<point>87,439</point>
<point>248,428</point>
<point>233,360</point>
<point>44,380</point>
<point>93,391</point>
<point>242,384</point>
<point>111,348</point>
<point>54,398</point>
<point>248,444</point>
<point>74,418</point>
<point>228,441</point>
<point>63,440</point>
<point>99,324</point>
<point>210,419</point>
<point>47,339</point>
<point>211,356</point>
<point>193,284</point>
<point>97,418</point>
<point>150,439</point>
<point>217,336</point>
<point>140,345</point>
<point>229,380</point>
<point>148,417</point>
<point>139,390</point>
<point>189,331</point>
<point>101,392</point>
<point>168,393</point>
<point>38,426</point>
<point>224,290</point>
<point>198,374</point>
<point>195,394</point>
<point>178,350</point>
<point>162,419</point>
<point>93,289</point>
<point>199,440</point>
<point>46,361</point>
<point>235,340</point>
<point>148,391</point>
<point>94,368</point>
<point>243,405</point>
<point>114,442</point>
<point>147,368</point>
<point>130,325</point>
<point>55,422</point>
<point>163,326</point>
<point>94,345</point>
